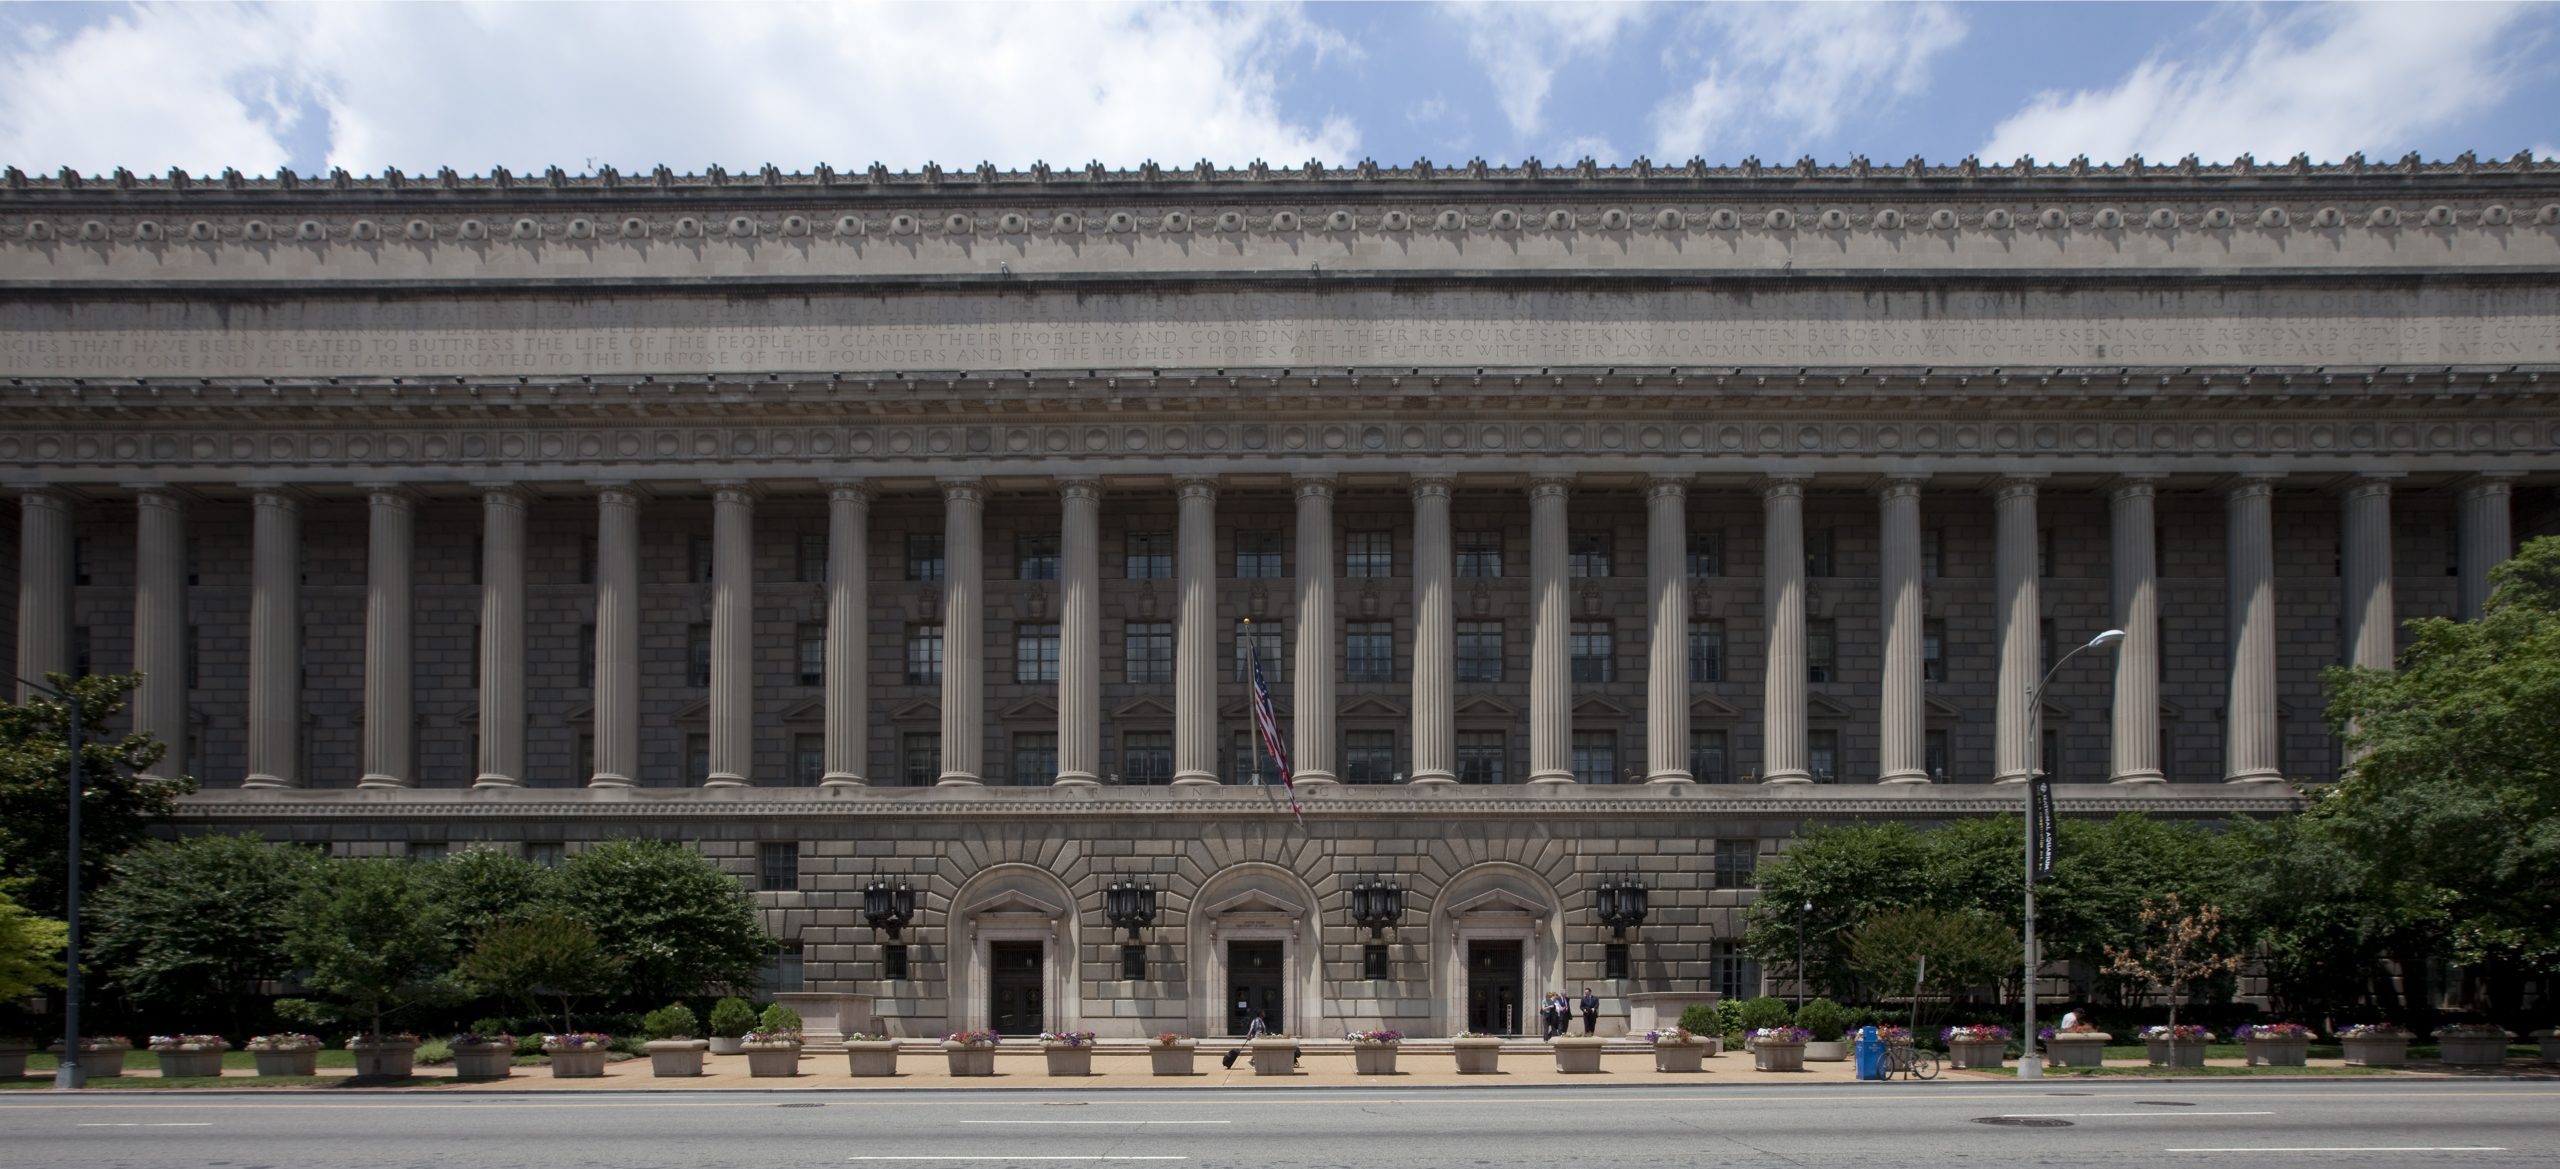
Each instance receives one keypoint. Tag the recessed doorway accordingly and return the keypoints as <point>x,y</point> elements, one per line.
<point>1255,982</point>
<point>1014,979</point>
<point>1493,987</point>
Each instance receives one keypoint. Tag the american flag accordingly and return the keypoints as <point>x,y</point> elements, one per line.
<point>1266,720</point>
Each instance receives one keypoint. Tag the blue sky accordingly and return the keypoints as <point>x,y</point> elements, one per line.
<point>471,85</point>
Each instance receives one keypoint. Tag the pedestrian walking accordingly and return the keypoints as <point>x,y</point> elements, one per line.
<point>1590,1012</point>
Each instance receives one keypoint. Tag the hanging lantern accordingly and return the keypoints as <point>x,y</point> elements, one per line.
<point>1130,904</point>
<point>888,907</point>
<point>1376,902</point>
<point>1622,902</point>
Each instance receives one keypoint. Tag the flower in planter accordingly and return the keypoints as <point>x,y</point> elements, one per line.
<point>972,1038</point>
<point>576,1041</point>
<point>1473,1035</point>
<point>105,1043</point>
<point>1066,1038</point>
<point>865,1037</point>
<point>775,1038</point>
<point>1669,1035</point>
<point>1894,1036</point>
<point>487,1038</point>
<point>2067,1032</point>
<point>186,1043</point>
<point>2183,1031</point>
<point>2471,1031</point>
<point>2271,1031</point>
<point>1168,1038</point>
<point>356,1041</point>
<point>1783,1035</point>
<point>284,1041</point>
<point>2375,1031</point>
<point>1375,1036</point>
<point>1975,1033</point>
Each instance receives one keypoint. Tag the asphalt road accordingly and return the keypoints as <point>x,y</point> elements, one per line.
<point>2467,1125</point>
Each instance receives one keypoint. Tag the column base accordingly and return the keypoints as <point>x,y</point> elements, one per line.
<point>381,781</point>
<point>1787,777</point>
<point>2151,776</point>
<point>1551,779</point>
<point>958,779</point>
<point>495,780</point>
<point>1076,779</point>
<point>2011,780</point>
<point>1314,779</point>
<point>2256,777</point>
<point>1665,778</point>
<point>723,779</point>
<point>259,781</point>
<point>842,779</point>
<point>610,779</point>
<point>1432,778</point>
<point>1194,779</point>
<point>1903,777</point>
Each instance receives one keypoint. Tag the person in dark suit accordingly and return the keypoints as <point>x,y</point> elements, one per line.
<point>1590,1011</point>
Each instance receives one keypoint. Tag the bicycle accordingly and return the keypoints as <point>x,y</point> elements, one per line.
<point>1912,1063</point>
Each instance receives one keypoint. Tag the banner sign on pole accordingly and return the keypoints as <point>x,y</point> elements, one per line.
<point>2040,824</point>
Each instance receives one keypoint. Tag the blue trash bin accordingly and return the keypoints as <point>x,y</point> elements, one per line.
<point>1870,1054</point>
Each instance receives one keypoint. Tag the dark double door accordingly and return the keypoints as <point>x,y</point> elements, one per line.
<point>1493,987</point>
<point>1014,982</point>
<point>1254,984</point>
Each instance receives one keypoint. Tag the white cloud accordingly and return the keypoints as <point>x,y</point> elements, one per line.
<point>2328,81</point>
<point>1522,45</point>
<point>527,86</point>
<point>1795,73</point>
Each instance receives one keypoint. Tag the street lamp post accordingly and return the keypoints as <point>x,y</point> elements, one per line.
<point>67,1074</point>
<point>2030,1064</point>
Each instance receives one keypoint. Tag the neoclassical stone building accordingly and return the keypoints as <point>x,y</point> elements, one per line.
<point>1590,525</point>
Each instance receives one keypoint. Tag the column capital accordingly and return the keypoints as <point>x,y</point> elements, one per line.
<point>276,495</point>
<point>621,492</point>
<point>399,495</point>
<point>40,494</point>
<point>1196,487</point>
<point>2484,484</point>
<point>734,490</point>
<point>160,495</point>
<point>1544,486</point>
<point>2366,485</point>
<point>1666,486</point>
<point>1783,486</point>
<point>1899,486</point>
<point>2015,486</point>
<point>1431,486</point>
<point>1080,487</point>
<point>1312,486</point>
<point>962,490</point>
<point>504,493</point>
<point>2135,485</point>
<point>847,490</point>
<point>2252,485</point>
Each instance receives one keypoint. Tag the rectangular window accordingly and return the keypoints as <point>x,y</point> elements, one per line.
<point>585,764</point>
<point>195,665</point>
<point>1368,756</point>
<point>1257,554</point>
<point>1706,553</point>
<point>2044,552</point>
<point>1933,552</point>
<point>1479,651</point>
<point>1035,757</point>
<point>1822,650</point>
<point>2049,754</point>
<point>812,642</point>
<point>1373,960</point>
<point>1706,650</point>
<point>813,558</point>
<point>893,962</point>
<point>1369,651</point>
<point>1259,638</point>
<point>1595,756</point>
<point>79,560</point>
<point>2045,644</point>
<point>920,757</point>
<point>697,757</point>
<point>1595,651</point>
<point>586,560</point>
<point>429,850</point>
<point>1480,757</point>
<point>1737,975</point>
<point>1737,862</point>
<point>1822,754</point>
<point>1147,652</point>
<point>1035,652</point>
<point>1244,754</point>
<point>1589,553</point>
<point>2168,750</point>
<point>547,853</point>
<point>924,655</point>
<point>1148,556</point>
<point>924,556</point>
<point>808,758</point>
<point>1613,960</point>
<point>1818,560</point>
<point>697,655</point>
<point>1933,650</point>
<point>80,653</point>
<point>778,867</point>
<point>1933,754</point>
<point>1368,554</point>
<point>699,561</point>
<point>1146,757</point>
<point>587,656</point>
<point>783,971</point>
<point>1480,553</point>
<point>1707,758</point>
<point>1133,962</point>
<point>1035,556</point>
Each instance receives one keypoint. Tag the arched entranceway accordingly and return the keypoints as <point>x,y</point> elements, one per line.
<point>1497,944</point>
<point>1012,945</point>
<point>1253,947</point>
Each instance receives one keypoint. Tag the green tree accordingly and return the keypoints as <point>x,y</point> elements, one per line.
<point>677,922</point>
<point>30,949</point>
<point>369,938</point>
<point>1964,948</point>
<point>483,887</point>
<point>1847,875</point>
<point>2103,872</point>
<point>544,955</point>
<point>116,805</point>
<point>2175,949</point>
<point>188,928</point>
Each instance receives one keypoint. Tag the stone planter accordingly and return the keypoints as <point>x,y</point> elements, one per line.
<point>484,1061</point>
<point>305,1062</point>
<point>727,1045</point>
<point>1826,1050</point>
<point>1977,1053</point>
<point>1274,1057</point>
<point>1373,1059</point>
<point>2279,1053</point>
<point>1068,1059</point>
<point>98,1061</point>
<point>1174,1060</point>
<point>676,1058</point>
<point>576,1063</point>
<point>1579,1055</point>
<point>970,1059</point>
<point>391,1058</point>
<point>871,1057</point>
<point>2550,1041</point>
<point>2473,1050</point>
<point>1777,1057</point>
<point>2376,1051</point>
<point>2077,1049</point>
<point>1478,1057</point>
<point>767,1061</point>
<point>2185,1053</point>
<point>184,1064</point>
<point>1680,1057</point>
<point>13,1059</point>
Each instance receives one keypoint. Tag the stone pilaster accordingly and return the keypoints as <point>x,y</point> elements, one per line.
<point>1666,693</point>
<point>44,585</point>
<point>848,709</point>
<point>1550,649</point>
<point>1783,754</point>
<point>1311,746</point>
<point>2252,743</point>
<point>1080,632</point>
<point>1903,718</point>
<point>1195,637</point>
<point>617,689</point>
<point>2136,747</point>
<point>390,709</point>
<point>2021,625</point>
<point>1435,635</point>
<point>964,543</point>
<point>160,624</point>
<point>502,526</point>
<point>275,640</point>
<point>2364,563</point>
<point>733,628</point>
<point>2487,536</point>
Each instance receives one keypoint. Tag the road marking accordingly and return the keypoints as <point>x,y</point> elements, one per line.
<point>959,1158</point>
<point>2356,1149</point>
<point>146,1124</point>
<point>2161,1115</point>
<point>1118,1122</point>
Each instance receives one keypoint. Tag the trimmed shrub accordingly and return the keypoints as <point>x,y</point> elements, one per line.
<point>1765,1011</point>
<point>732,1017</point>
<point>1700,1019</point>
<point>1826,1019</point>
<point>672,1021</point>
<point>777,1017</point>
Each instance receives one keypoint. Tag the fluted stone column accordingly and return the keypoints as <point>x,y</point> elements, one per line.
<point>2136,753</point>
<point>1195,637</point>
<point>390,712</point>
<point>1902,746</point>
<point>1080,633</point>
<point>2021,625</point>
<point>964,544</point>
<point>2253,749</point>
<point>617,689</point>
<point>2487,536</point>
<point>848,710</point>
<point>1435,635</point>
<point>1550,650</point>
<point>44,585</point>
<point>1666,692</point>
<point>502,519</point>
<point>733,629</point>
<point>275,640</point>
<point>1311,745</point>
<point>2364,561</point>
<point>1783,754</point>
<point>160,624</point>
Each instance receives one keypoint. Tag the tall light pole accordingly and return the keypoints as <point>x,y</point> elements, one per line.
<point>2030,1064</point>
<point>67,1074</point>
